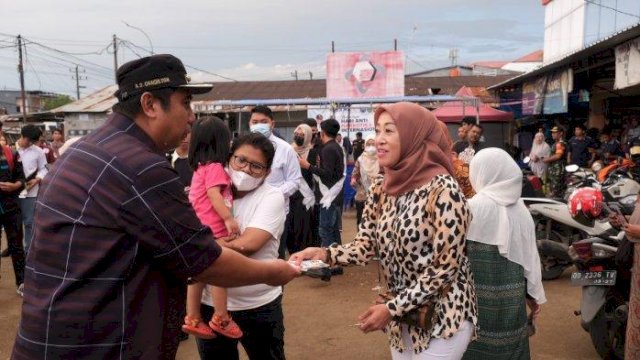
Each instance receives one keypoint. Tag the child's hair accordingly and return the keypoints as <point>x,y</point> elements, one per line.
<point>210,142</point>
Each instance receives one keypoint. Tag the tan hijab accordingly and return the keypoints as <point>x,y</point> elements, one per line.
<point>303,151</point>
<point>425,148</point>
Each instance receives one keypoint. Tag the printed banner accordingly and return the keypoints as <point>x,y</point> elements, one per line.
<point>365,75</point>
<point>358,119</point>
<point>548,94</point>
<point>627,64</point>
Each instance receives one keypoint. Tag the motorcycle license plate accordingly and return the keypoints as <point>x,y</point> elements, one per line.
<point>590,278</point>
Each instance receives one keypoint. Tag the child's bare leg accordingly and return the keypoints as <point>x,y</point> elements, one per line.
<point>220,302</point>
<point>194,297</point>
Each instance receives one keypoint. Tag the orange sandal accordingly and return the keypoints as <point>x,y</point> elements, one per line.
<point>227,328</point>
<point>197,328</point>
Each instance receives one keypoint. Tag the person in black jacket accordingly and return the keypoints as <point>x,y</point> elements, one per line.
<point>329,175</point>
<point>314,155</point>
<point>12,181</point>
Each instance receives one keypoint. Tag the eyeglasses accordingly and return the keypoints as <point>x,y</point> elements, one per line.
<point>254,168</point>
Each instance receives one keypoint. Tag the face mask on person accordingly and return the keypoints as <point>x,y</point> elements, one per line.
<point>263,129</point>
<point>371,150</point>
<point>243,181</point>
<point>299,140</point>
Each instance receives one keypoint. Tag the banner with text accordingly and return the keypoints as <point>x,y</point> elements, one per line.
<point>627,64</point>
<point>358,119</point>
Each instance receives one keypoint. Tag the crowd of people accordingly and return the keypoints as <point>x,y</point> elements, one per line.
<point>23,165</point>
<point>131,247</point>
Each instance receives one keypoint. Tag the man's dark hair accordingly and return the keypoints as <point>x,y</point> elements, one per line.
<point>468,120</point>
<point>606,131</point>
<point>31,132</point>
<point>210,142</point>
<point>479,127</point>
<point>131,106</point>
<point>311,122</point>
<point>57,130</point>
<point>358,134</point>
<point>257,141</point>
<point>581,126</point>
<point>264,110</point>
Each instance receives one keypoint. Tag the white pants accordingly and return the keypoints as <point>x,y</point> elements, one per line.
<point>439,349</point>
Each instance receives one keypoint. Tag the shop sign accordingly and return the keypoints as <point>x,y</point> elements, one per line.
<point>627,64</point>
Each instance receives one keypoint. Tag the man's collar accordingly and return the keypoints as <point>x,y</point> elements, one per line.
<point>125,124</point>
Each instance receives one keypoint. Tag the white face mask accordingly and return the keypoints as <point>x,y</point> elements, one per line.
<point>263,129</point>
<point>371,150</point>
<point>243,181</point>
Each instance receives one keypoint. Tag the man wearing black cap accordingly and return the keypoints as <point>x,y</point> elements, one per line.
<point>115,237</point>
<point>329,177</point>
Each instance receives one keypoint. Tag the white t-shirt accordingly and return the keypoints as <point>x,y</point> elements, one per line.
<point>261,209</point>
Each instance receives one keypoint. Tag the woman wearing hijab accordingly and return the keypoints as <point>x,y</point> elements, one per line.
<point>365,171</point>
<point>539,151</point>
<point>416,217</point>
<point>298,225</point>
<point>504,258</point>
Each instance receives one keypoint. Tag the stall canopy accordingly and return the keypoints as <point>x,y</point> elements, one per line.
<point>454,111</point>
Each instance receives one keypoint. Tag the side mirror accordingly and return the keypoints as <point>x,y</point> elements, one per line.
<point>572,168</point>
<point>526,160</point>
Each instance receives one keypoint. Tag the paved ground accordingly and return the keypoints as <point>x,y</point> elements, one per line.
<point>318,318</point>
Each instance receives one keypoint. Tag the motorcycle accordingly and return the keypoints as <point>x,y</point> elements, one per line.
<point>556,229</point>
<point>605,293</point>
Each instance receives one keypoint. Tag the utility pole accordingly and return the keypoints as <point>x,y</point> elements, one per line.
<point>310,75</point>
<point>333,46</point>
<point>395,44</point>
<point>295,74</point>
<point>22,92</point>
<point>115,57</point>
<point>78,78</point>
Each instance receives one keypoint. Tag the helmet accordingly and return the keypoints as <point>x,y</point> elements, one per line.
<point>585,204</point>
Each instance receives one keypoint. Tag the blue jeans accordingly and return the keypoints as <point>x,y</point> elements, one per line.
<point>329,229</point>
<point>27,206</point>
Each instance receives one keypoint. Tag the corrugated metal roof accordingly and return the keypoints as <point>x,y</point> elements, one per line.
<point>100,101</point>
<point>103,100</point>
<point>613,40</point>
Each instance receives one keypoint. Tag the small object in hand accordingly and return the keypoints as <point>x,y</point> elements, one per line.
<point>356,325</point>
<point>531,325</point>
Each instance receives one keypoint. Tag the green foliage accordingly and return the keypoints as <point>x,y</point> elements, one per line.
<point>57,102</point>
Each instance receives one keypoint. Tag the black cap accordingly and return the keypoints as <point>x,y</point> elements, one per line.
<point>330,127</point>
<point>152,73</point>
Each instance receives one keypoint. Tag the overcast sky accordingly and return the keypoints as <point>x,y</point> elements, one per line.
<point>256,40</point>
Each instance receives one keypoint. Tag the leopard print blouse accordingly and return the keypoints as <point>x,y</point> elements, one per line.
<point>421,239</point>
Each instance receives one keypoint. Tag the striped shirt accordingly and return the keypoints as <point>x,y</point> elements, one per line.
<point>115,241</point>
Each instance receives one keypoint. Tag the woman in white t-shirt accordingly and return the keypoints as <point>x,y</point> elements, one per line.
<point>257,207</point>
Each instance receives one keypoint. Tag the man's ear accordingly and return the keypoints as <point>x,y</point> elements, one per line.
<point>148,104</point>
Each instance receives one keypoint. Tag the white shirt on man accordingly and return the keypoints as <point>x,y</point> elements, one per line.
<point>33,161</point>
<point>285,170</point>
<point>259,209</point>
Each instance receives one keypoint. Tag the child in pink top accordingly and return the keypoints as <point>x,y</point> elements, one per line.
<point>212,199</point>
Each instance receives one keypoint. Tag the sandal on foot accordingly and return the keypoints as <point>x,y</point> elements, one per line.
<point>227,328</point>
<point>197,328</point>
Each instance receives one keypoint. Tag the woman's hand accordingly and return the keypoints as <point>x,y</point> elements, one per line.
<point>353,182</point>
<point>304,163</point>
<point>632,230</point>
<point>310,253</point>
<point>375,318</point>
<point>534,308</point>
